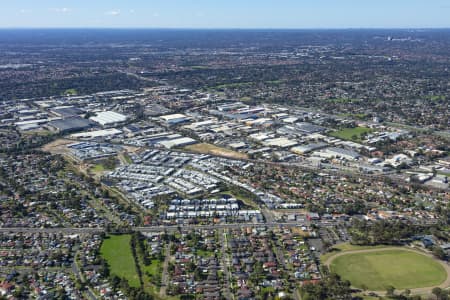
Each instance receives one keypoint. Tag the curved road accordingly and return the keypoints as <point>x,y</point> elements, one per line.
<point>415,291</point>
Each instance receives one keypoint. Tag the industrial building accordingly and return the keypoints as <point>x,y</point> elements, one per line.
<point>70,124</point>
<point>109,118</point>
<point>178,142</point>
<point>175,119</point>
<point>66,111</point>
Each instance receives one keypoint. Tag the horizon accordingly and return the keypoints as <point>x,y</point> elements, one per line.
<point>231,14</point>
<point>230,28</point>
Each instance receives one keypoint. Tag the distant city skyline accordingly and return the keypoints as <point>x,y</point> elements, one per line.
<point>243,14</point>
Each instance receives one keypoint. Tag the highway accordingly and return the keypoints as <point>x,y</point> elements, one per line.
<point>161,228</point>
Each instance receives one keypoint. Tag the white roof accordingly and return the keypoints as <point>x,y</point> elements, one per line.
<point>178,142</point>
<point>108,117</point>
<point>172,117</point>
<point>280,142</point>
<point>98,133</point>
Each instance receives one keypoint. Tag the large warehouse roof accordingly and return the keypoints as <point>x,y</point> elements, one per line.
<point>183,141</point>
<point>108,117</point>
<point>70,124</point>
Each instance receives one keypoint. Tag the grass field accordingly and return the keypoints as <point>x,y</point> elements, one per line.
<point>346,247</point>
<point>98,168</point>
<point>380,269</point>
<point>350,133</point>
<point>215,150</point>
<point>116,250</point>
<point>247,201</point>
<point>154,268</point>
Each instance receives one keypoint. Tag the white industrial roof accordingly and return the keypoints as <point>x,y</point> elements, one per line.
<point>108,117</point>
<point>98,133</point>
<point>177,142</point>
<point>280,142</point>
<point>172,117</point>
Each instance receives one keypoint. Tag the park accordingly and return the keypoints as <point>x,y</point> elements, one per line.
<point>378,269</point>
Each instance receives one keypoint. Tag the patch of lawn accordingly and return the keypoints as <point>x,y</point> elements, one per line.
<point>204,253</point>
<point>72,92</point>
<point>199,67</point>
<point>116,250</point>
<point>240,197</point>
<point>350,247</point>
<point>154,268</point>
<point>246,99</point>
<point>98,168</point>
<point>127,158</point>
<point>398,268</point>
<point>351,134</point>
<point>232,85</point>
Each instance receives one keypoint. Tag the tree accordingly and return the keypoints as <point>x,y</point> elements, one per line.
<point>437,291</point>
<point>439,252</point>
<point>390,291</point>
<point>331,287</point>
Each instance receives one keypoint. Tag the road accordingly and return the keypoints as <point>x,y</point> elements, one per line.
<point>160,228</point>
<point>226,264</point>
<point>63,230</point>
<point>165,272</point>
<point>76,270</point>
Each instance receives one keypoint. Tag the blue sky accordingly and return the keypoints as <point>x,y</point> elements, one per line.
<point>226,13</point>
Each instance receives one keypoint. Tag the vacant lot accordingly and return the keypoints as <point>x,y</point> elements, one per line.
<point>116,249</point>
<point>215,150</point>
<point>351,133</point>
<point>379,269</point>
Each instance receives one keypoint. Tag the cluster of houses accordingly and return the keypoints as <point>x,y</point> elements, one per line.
<point>224,208</point>
<point>156,173</point>
<point>195,266</point>
<point>48,199</point>
<point>36,264</point>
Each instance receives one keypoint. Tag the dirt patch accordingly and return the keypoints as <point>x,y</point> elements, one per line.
<point>205,148</point>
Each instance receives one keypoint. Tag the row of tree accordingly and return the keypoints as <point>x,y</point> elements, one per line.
<point>332,287</point>
<point>384,232</point>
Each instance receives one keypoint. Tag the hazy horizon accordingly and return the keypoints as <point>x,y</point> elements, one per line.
<point>231,14</point>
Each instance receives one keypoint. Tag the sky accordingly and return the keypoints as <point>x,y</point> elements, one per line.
<point>225,14</point>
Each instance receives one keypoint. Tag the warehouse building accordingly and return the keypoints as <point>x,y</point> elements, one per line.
<point>175,119</point>
<point>178,142</point>
<point>70,124</point>
<point>109,118</point>
<point>66,111</point>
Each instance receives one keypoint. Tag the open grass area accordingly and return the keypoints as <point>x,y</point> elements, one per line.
<point>232,85</point>
<point>127,158</point>
<point>98,168</point>
<point>154,268</point>
<point>116,250</point>
<point>245,200</point>
<point>205,148</point>
<point>390,267</point>
<point>204,253</point>
<point>72,92</point>
<point>351,134</point>
<point>346,247</point>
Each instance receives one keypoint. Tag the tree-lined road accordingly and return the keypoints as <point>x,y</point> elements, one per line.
<point>168,228</point>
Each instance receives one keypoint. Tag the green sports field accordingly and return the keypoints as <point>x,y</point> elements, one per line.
<point>349,133</point>
<point>380,269</point>
<point>116,249</point>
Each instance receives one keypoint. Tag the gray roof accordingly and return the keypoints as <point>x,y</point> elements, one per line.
<point>68,111</point>
<point>71,124</point>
